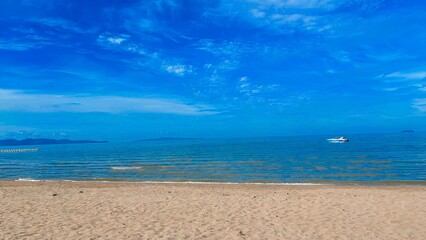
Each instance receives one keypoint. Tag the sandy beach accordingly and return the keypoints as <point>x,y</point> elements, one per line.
<point>60,210</point>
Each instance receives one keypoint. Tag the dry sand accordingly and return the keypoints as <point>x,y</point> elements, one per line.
<point>184,211</point>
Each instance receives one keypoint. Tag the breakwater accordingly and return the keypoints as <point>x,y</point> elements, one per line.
<point>18,150</point>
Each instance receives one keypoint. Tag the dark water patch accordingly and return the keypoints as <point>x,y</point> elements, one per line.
<point>250,162</point>
<point>181,174</point>
<point>214,168</point>
<point>181,160</point>
<point>271,168</point>
<point>346,175</point>
<point>69,163</point>
<point>79,171</point>
<point>370,162</point>
<point>319,168</point>
<point>226,175</point>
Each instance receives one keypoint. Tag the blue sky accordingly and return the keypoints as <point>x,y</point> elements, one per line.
<point>130,69</point>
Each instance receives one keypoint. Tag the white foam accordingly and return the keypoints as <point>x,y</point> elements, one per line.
<point>125,168</point>
<point>27,180</point>
<point>235,183</point>
<point>177,182</point>
<point>200,182</point>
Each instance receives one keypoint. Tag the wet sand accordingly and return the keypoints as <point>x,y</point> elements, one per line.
<point>65,210</point>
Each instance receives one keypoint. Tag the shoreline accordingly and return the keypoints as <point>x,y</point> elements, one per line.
<point>419,183</point>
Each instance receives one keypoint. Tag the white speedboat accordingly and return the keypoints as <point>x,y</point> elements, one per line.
<point>338,140</point>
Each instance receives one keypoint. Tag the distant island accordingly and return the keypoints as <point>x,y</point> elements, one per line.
<point>165,139</point>
<point>407,131</point>
<point>43,141</point>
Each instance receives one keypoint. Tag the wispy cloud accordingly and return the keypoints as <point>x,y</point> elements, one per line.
<point>34,33</point>
<point>149,19</point>
<point>59,24</point>
<point>254,92</point>
<point>390,89</point>
<point>12,131</point>
<point>292,18</point>
<point>298,4</point>
<point>20,101</point>
<point>144,58</point>
<point>229,53</point>
<point>283,16</point>
<point>17,46</point>
<point>224,49</point>
<point>406,80</point>
<point>415,75</point>
<point>419,104</point>
<point>291,100</point>
<point>21,132</point>
<point>123,43</point>
<point>420,87</point>
<point>247,88</point>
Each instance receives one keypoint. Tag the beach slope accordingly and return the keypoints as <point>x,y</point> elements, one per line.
<point>58,210</point>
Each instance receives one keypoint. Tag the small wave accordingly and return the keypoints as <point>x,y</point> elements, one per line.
<point>125,168</point>
<point>95,180</point>
<point>206,182</point>
<point>27,180</point>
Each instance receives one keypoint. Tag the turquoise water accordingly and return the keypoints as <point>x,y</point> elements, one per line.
<point>366,158</point>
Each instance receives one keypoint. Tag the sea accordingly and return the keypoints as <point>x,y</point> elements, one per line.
<point>367,158</point>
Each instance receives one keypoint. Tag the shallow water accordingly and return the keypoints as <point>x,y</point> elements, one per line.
<point>366,158</point>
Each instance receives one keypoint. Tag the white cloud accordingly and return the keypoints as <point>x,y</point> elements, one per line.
<point>404,80</point>
<point>419,104</point>
<point>406,75</point>
<point>290,18</point>
<point>178,69</point>
<point>249,89</point>
<point>257,13</point>
<point>252,92</point>
<point>227,50</point>
<point>244,85</point>
<point>107,38</point>
<point>280,19</point>
<point>229,53</point>
<point>307,22</point>
<point>116,40</point>
<point>121,42</point>
<point>208,66</point>
<point>272,86</point>
<point>298,4</point>
<point>20,101</point>
<point>214,78</point>
<point>420,87</point>
<point>392,89</point>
